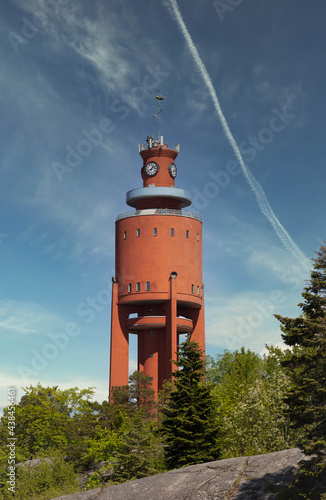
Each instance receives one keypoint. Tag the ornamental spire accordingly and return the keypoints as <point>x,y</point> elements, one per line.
<point>159,98</point>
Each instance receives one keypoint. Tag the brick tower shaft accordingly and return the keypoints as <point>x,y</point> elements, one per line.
<point>157,291</point>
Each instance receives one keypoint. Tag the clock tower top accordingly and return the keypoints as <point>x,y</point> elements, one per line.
<point>158,173</point>
<point>158,163</point>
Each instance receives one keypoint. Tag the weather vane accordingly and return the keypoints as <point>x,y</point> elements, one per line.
<point>159,98</point>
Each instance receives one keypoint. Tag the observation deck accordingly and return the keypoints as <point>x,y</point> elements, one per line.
<point>160,211</point>
<point>181,195</point>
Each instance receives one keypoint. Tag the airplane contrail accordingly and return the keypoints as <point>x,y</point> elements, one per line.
<point>256,187</point>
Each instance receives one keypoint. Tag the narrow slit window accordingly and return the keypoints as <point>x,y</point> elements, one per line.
<point>129,288</point>
<point>138,286</point>
<point>125,235</point>
<point>197,236</point>
<point>192,288</point>
<point>172,231</point>
<point>197,290</point>
<point>155,231</point>
<point>138,233</point>
<point>187,233</point>
<point>148,286</point>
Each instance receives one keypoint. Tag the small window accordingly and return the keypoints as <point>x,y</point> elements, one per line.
<point>150,310</point>
<point>125,235</point>
<point>197,290</point>
<point>129,288</point>
<point>192,288</point>
<point>172,231</point>
<point>187,233</point>
<point>138,286</point>
<point>151,378</point>
<point>150,333</point>
<point>138,233</point>
<point>148,286</point>
<point>197,236</point>
<point>150,355</point>
<point>155,231</point>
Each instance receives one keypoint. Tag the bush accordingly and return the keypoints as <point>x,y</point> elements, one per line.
<point>42,479</point>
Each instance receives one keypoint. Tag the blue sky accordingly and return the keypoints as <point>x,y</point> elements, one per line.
<point>71,67</point>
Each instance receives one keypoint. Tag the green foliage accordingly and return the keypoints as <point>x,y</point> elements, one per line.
<point>306,366</point>
<point>47,419</point>
<point>107,441</point>
<point>237,410</point>
<point>229,368</point>
<point>189,420</point>
<point>45,409</point>
<point>49,478</point>
<point>138,394</point>
<point>130,447</point>
<point>140,453</point>
<point>163,399</point>
<point>309,483</point>
<point>250,389</point>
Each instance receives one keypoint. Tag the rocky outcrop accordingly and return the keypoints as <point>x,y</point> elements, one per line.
<point>243,478</point>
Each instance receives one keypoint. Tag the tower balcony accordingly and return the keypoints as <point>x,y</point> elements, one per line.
<point>180,195</point>
<point>160,211</point>
<point>184,325</point>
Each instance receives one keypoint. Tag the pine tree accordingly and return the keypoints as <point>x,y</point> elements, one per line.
<point>189,421</point>
<point>142,394</point>
<point>140,452</point>
<point>306,366</point>
<point>137,395</point>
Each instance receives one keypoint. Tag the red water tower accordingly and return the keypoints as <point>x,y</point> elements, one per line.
<point>157,291</point>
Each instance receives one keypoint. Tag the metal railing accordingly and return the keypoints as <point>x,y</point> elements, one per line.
<point>159,211</point>
<point>155,145</point>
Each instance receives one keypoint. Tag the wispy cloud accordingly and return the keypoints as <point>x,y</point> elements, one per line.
<point>26,318</point>
<point>253,183</point>
<point>100,67</point>
<point>245,319</point>
<point>94,39</point>
<point>275,262</point>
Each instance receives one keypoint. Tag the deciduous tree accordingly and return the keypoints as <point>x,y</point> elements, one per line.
<point>249,391</point>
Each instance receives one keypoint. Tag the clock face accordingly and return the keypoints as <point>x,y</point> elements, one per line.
<point>173,170</point>
<point>151,168</point>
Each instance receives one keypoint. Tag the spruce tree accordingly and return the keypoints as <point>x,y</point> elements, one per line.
<point>189,420</point>
<point>140,451</point>
<point>306,364</point>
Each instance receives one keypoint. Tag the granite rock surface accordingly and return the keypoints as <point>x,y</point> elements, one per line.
<point>244,478</point>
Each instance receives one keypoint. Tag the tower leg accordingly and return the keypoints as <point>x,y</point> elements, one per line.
<point>119,355</point>
<point>148,355</point>
<point>171,329</point>
<point>198,334</point>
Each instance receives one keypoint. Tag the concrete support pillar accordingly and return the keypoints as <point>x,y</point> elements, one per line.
<point>171,336</point>
<point>198,335</point>
<point>148,355</point>
<point>119,357</point>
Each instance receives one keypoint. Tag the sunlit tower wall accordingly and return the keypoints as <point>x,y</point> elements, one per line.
<point>157,291</point>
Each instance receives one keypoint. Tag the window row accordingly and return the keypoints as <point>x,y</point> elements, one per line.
<point>147,286</point>
<point>155,233</point>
